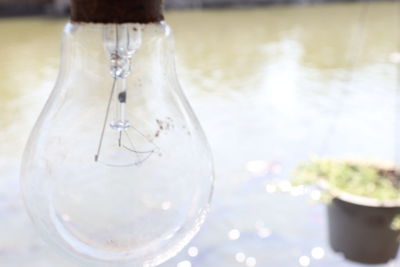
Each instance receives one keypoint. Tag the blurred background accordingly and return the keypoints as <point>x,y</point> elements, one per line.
<point>273,82</point>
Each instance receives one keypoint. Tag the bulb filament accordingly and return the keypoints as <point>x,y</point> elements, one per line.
<point>122,45</point>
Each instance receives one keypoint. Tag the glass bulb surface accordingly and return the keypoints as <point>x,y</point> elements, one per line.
<point>117,170</point>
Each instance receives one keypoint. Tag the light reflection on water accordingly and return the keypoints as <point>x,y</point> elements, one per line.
<point>271,87</point>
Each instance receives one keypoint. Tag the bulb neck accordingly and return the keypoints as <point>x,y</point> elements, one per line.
<point>117,11</point>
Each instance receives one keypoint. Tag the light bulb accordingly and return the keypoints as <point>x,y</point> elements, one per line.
<point>117,171</point>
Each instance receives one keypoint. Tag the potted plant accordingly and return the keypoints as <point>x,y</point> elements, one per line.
<point>364,207</point>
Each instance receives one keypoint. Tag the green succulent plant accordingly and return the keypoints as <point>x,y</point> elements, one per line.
<point>358,179</point>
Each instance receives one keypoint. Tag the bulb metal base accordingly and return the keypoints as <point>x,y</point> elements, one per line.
<point>117,11</point>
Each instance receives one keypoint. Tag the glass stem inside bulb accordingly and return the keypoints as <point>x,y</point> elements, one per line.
<point>120,123</point>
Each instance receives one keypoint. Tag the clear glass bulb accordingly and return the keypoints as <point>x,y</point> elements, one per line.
<point>117,170</point>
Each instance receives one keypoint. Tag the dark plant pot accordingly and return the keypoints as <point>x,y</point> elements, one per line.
<point>363,233</point>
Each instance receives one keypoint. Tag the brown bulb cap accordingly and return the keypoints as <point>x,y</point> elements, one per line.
<point>117,11</point>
